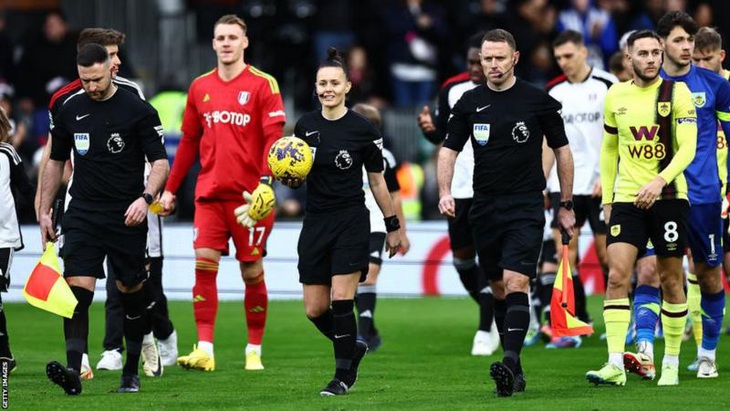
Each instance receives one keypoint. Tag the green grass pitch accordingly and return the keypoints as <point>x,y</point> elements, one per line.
<point>424,364</point>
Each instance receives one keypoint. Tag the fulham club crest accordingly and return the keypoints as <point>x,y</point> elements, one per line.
<point>243,97</point>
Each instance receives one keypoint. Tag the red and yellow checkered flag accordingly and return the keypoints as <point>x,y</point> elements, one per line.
<point>562,304</point>
<point>47,289</point>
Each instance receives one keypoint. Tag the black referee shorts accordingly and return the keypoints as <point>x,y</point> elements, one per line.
<point>459,229</point>
<point>507,232</point>
<point>90,236</point>
<point>332,244</point>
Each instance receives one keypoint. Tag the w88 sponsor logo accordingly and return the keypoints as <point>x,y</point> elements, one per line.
<point>647,151</point>
<point>226,117</point>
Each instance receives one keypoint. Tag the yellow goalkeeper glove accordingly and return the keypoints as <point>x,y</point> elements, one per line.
<point>259,204</point>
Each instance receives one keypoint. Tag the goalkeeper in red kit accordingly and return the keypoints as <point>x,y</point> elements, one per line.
<point>233,115</point>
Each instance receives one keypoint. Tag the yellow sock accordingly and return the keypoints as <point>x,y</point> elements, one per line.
<point>693,305</point>
<point>616,315</point>
<point>674,316</point>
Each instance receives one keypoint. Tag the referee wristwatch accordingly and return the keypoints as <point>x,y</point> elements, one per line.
<point>567,204</point>
<point>148,198</point>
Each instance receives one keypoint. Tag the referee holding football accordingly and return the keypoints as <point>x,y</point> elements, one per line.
<point>505,121</point>
<point>109,131</point>
<point>335,239</point>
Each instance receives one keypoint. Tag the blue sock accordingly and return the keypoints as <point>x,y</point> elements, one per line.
<point>713,311</point>
<point>647,305</point>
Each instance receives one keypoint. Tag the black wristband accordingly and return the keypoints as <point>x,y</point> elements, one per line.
<point>392,223</point>
<point>266,180</point>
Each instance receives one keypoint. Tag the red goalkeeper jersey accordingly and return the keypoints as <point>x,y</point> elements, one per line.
<point>231,124</point>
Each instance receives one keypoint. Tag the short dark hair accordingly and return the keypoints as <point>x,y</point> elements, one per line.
<point>708,39</point>
<point>334,59</point>
<point>91,54</point>
<point>500,36</point>
<point>673,19</point>
<point>616,62</point>
<point>104,37</point>
<point>642,34</point>
<point>475,40</point>
<point>568,36</point>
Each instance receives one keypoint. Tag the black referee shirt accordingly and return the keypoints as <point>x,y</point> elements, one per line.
<point>506,130</point>
<point>109,140</point>
<point>341,148</point>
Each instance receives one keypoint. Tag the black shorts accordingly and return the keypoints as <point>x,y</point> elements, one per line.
<point>586,208</point>
<point>90,236</point>
<point>548,254</point>
<point>332,244</point>
<point>377,245</point>
<point>725,235</point>
<point>507,232</point>
<point>459,229</point>
<point>665,224</point>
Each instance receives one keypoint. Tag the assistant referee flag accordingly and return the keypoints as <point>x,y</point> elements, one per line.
<point>46,288</point>
<point>562,304</point>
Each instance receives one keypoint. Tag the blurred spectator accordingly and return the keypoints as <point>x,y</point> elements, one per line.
<point>334,23</point>
<point>532,23</point>
<point>703,15</point>
<point>596,26</point>
<point>361,77</point>
<point>7,65</point>
<point>416,29</point>
<point>630,15</point>
<point>48,62</point>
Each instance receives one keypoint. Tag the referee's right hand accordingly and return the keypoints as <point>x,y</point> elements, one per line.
<point>48,231</point>
<point>447,206</point>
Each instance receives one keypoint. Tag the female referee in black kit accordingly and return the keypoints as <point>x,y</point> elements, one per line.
<point>334,242</point>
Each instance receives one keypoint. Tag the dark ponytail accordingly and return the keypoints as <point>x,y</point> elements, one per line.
<point>335,59</point>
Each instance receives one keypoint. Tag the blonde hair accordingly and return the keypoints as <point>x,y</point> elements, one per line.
<point>231,19</point>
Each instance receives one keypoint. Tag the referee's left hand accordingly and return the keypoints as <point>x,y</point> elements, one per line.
<point>393,243</point>
<point>136,213</point>
<point>566,220</point>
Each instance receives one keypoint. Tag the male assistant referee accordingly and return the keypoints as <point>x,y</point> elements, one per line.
<point>505,121</point>
<point>108,132</point>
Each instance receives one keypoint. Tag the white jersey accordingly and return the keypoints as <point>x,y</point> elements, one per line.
<point>583,117</point>
<point>462,185</point>
<point>11,173</point>
<point>377,225</point>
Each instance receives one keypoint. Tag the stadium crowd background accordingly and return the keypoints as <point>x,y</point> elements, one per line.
<point>392,65</point>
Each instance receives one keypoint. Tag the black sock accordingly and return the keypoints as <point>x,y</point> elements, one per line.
<point>547,280</point>
<point>161,324</point>
<point>325,323</point>
<point>136,325</point>
<point>76,329</point>
<point>580,299</point>
<point>500,310</point>
<point>469,274</point>
<point>4,339</point>
<point>345,332</point>
<point>486,303</point>
<point>366,298</point>
<point>516,322</point>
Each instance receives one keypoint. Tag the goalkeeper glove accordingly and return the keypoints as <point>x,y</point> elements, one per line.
<point>259,204</point>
